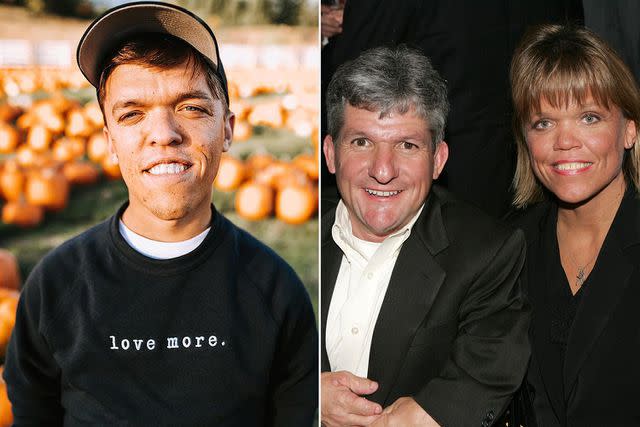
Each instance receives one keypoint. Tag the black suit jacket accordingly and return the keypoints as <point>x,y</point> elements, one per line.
<point>452,327</point>
<point>599,381</point>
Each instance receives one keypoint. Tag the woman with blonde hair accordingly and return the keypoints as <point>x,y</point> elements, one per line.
<point>577,116</point>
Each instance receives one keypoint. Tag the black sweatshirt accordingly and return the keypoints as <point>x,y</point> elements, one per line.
<point>222,336</point>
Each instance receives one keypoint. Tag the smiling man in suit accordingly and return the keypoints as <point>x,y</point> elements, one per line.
<point>423,319</point>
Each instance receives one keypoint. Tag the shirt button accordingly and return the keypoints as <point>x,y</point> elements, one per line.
<point>369,276</point>
<point>354,330</point>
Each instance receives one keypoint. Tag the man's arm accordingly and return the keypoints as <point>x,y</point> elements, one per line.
<point>31,373</point>
<point>489,356</point>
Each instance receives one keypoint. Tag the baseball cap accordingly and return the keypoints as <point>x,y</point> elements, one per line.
<point>121,23</point>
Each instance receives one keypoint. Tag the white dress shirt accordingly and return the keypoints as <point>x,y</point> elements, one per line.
<point>360,288</point>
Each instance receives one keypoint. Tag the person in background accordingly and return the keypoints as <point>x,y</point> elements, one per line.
<point>166,313</point>
<point>577,114</point>
<point>423,319</point>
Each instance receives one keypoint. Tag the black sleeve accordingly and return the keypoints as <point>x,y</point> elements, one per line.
<point>31,373</point>
<point>294,373</point>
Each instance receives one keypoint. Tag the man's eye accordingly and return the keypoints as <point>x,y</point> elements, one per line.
<point>128,115</point>
<point>360,142</point>
<point>408,145</point>
<point>194,108</point>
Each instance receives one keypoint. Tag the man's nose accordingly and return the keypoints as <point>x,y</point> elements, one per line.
<point>383,165</point>
<point>163,128</point>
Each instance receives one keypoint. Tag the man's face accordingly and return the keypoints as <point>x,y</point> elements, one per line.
<point>168,131</point>
<point>384,169</point>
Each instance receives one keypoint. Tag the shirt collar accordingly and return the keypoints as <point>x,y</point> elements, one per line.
<point>342,233</point>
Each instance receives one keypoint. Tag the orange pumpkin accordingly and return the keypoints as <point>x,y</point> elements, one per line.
<point>257,162</point>
<point>22,214</point>
<point>254,200</point>
<point>26,120</point>
<point>97,147</point>
<point>267,114</point>
<point>47,188</point>
<point>9,271</point>
<point>8,306</point>
<point>295,204</point>
<point>12,181</point>
<point>308,164</point>
<point>9,138</point>
<point>93,113</point>
<point>242,131</point>
<point>9,113</point>
<point>39,138</point>
<point>27,157</point>
<point>280,174</point>
<point>63,151</point>
<point>77,124</point>
<point>6,414</point>
<point>81,173</point>
<point>231,173</point>
<point>110,167</point>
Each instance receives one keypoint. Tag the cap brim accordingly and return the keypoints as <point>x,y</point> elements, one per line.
<point>120,23</point>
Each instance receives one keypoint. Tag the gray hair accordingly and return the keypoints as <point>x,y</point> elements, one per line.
<point>389,80</point>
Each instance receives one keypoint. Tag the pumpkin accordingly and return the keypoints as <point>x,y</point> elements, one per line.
<point>9,271</point>
<point>12,181</point>
<point>315,140</point>
<point>231,173</point>
<point>47,188</point>
<point>48,115</point>
<point>267,114</point>
<point>77,124</point>
<point>111,167</point>
<point>242,131</point>
<point>280,174</point>
<point>26,120</point>
<point>62,151</point>
<point>93,113</point>
<point>6,414</point>
<point>241,110</point>
<point>307,163</point>
<point>258,161</point>
<point>296,203</point>
<point>22,214</point>
<point>254,200</point>
<point>39,138</point>
<point>97,147</point>
<point>27,157</point>
<point>9,138</point>
<point>82,173</point>
<point>9,113</point>
<point>8,306</point>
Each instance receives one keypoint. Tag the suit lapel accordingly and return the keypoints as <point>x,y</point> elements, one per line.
<point>607,283</point>
<point>331,258</point>
<point>414,284</point>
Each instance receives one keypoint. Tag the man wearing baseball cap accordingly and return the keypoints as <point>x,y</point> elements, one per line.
<point>166,313</point>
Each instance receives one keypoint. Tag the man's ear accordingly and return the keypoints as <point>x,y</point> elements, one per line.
<point>229,124</point>
<point>111,148</point>
<point>329,153</point>
<point>440,157</point>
